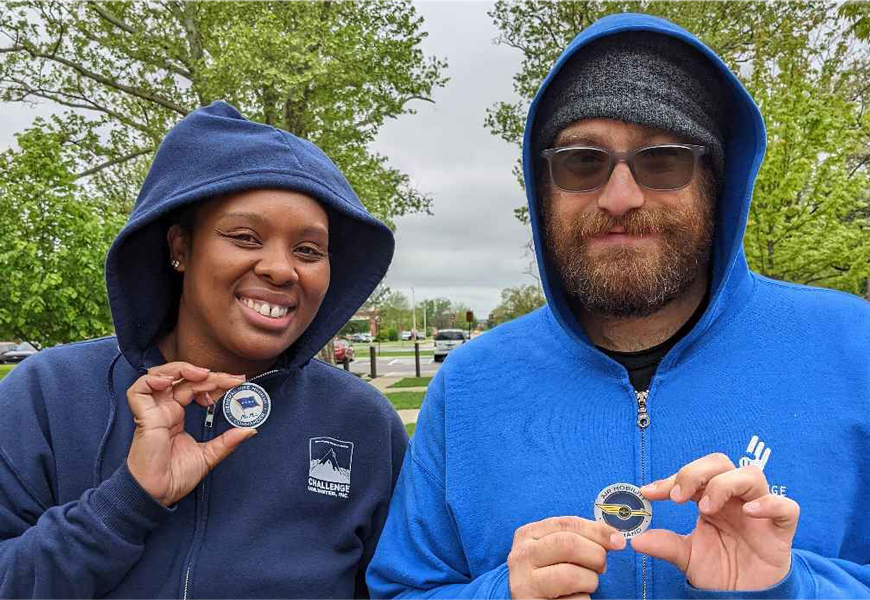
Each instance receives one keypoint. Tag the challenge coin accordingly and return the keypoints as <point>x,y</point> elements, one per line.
<point>247,405</point>
<point>622,506</point>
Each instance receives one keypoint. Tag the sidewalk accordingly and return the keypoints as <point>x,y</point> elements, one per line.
<point>383,384</point>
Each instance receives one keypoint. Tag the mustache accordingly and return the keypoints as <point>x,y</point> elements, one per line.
<point>635,222</point>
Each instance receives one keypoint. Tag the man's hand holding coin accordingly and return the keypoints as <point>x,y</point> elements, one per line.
<point>742,539</point>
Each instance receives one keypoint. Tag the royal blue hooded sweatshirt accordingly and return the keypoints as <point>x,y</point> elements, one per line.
<point>531,421</point>
<point>265,523</point>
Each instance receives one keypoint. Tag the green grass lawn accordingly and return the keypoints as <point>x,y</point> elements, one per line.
<point>410,427</point>
<point>403,400</point>
<point>5,369</point>
<point>412,382</point>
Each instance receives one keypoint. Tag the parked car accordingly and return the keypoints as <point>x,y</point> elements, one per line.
<point>446,340</point>
<point>344,352</point>
<point>18,353</point>
<point>406,335</point>
<point>6,346</point>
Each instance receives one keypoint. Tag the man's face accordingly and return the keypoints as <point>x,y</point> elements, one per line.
<point>624,250</point>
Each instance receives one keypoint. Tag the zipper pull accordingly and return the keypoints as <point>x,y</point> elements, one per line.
<point>209,416</point>
<point>642,414</point>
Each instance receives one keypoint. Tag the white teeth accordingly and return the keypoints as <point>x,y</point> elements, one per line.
<point>264,308</point>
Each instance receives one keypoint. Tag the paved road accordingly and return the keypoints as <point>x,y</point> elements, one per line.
<point>395,366</point>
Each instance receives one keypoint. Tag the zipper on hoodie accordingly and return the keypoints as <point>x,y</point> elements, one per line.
<point>643,422</point>
<point>202,497</point>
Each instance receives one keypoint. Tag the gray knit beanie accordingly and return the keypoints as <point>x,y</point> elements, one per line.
<point>638,77</point>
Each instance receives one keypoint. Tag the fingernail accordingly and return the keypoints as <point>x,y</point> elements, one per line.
<point>675,493</point>
<point>617,541</point>
<point>704,504</point>
<point>202,369</point>
<point>239,376</point>
<point>649,487</point>
<point>209,398</point>
<point>752,507</point>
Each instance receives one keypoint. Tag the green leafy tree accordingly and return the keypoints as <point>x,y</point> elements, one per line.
<point>516,302</point>
<point>437,312</point>
<point>55,240</point>
<point>377,298</point>
<point>395,311</point>
<point>804,65</point>
<point>331,72</point>
<point>460,310</point>
<point>355,326</point>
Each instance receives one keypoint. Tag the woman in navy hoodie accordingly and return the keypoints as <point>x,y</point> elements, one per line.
<point>245,253</point>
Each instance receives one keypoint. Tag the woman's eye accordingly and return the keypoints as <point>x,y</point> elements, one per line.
<point>241,237</point>
<point>311,252</point>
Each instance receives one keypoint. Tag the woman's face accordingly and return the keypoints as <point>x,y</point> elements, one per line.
<point>256,269</point>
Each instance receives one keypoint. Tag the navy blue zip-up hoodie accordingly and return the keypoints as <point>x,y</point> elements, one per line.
<point>265,523</point>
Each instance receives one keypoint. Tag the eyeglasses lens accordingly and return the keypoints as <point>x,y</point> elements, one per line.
<point>664,168</point>
<point>658,168</point>
<point>580,169</point>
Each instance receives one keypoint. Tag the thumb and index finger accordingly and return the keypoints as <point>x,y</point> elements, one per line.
<point>188,381</point>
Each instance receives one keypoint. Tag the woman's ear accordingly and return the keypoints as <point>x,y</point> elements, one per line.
<point>179,246</point>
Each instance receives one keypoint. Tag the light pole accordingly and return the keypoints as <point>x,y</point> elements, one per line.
<point>413,315</point>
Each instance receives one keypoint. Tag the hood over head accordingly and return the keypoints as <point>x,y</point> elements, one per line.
<point>743,138</point>
<point>215,151</point>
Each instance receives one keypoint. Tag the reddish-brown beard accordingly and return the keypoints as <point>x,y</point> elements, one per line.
<point>628,281</point>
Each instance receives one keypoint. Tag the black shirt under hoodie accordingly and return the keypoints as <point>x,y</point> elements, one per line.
<point>641,365</point>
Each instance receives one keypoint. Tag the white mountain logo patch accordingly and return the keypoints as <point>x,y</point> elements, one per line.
<point>329,466</point>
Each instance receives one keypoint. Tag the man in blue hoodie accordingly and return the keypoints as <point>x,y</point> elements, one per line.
<point>665,385</point>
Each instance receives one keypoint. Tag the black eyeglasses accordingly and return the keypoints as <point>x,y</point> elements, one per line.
<point>587,168</point>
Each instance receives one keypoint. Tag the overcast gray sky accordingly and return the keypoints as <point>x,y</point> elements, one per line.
<point>472,246</point>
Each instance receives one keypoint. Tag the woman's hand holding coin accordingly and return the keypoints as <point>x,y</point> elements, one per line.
<point>164,459</point>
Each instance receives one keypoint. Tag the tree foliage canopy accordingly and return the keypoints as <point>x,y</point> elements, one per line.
<point>331,72</point>
<point>55,241</point>
<point>516,302</point>
<point>805,65</point>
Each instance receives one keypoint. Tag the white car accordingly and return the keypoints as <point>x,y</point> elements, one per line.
<point>446,340</point>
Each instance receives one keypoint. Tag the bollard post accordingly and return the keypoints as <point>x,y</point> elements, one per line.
<point>373,355</point>
<point>346,365</point>
<point>417,357</point>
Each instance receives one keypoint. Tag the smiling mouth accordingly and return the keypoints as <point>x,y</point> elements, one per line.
<point>273,311</point>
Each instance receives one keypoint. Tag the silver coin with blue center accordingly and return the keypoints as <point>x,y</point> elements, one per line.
<point>247,405</point>
<point>623,507</point>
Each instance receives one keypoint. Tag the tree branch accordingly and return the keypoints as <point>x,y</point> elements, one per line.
<point>151,58</point>
<point>138,93</point>
<point>114,161</point>
<point>107,16</point>
<point>371,120</point>
<point>68,99</point>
